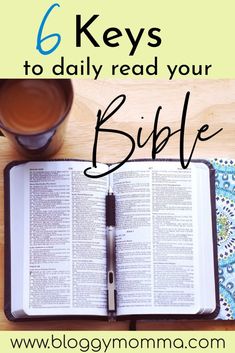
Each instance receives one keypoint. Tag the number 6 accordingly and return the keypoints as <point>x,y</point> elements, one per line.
<point>40,40</point>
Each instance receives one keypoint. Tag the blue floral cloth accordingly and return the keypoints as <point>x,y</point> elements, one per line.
<point>225,212</point>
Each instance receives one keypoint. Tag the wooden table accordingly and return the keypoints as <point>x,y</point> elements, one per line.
<point>211,102</point>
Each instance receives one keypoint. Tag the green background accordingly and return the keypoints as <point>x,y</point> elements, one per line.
<point>192,32</point>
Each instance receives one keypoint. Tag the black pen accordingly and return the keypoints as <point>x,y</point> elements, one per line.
<point>111,258</point>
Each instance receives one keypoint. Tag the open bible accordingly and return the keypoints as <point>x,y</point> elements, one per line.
<point>55,231</point>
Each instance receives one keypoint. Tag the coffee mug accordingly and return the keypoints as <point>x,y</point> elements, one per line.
<point>34,112</point>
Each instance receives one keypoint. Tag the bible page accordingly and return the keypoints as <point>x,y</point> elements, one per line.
<point>158,269</point>
<point>63,232</point>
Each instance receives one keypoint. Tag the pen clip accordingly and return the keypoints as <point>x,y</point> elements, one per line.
<point>112,304</point>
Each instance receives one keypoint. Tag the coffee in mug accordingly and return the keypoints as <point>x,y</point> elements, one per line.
<point>33,113</point>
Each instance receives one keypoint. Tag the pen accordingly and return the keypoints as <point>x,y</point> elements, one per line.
<point>111,258</point>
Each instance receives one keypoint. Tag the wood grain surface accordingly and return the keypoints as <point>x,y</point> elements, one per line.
<point>211,102</point>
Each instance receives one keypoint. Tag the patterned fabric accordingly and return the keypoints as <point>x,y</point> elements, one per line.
<point>225,212</point>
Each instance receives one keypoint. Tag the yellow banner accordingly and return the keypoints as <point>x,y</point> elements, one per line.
<point>96,39</point>
<point>117,341</point>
